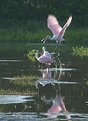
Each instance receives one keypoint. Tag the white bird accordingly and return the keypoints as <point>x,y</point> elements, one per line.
<point>45,58</point>
<point>57,30</point>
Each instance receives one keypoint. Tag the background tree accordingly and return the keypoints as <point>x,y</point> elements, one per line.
<point>39,9</point>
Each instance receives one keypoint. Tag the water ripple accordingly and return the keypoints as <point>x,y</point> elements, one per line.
<point>11,99</point>
<point>27,116</point>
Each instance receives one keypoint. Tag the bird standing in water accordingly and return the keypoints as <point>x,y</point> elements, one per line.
<point>45,58</point>
<point>57,30</point>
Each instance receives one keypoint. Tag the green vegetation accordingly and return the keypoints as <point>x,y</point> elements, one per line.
<point>20,85</point>
<point>31,31</point>
<point>77,36</point>
<point>24,80</point>
<point>39,9</point>
<point>80,51</point>
<point>31,55</point>
<point>72,35</point>
<point>25,20</point>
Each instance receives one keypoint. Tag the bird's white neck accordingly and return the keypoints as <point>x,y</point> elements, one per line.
<point>52,38</point>
<point>36,54</point>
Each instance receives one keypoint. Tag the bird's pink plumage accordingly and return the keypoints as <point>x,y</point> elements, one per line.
<point>53,25</point>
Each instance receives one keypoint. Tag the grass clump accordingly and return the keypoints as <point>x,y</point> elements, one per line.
<point>80,51</point>
<point>20,85</point>
<point>24,80</point>
<point>31,55</point>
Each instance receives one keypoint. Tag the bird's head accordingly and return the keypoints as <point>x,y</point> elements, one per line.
<point>43,49</point>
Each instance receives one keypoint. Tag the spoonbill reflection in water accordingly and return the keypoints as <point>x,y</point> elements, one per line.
<point>57,30</point>
<point>45,58</point>
<point>46,74</point>
<point>57,107</point>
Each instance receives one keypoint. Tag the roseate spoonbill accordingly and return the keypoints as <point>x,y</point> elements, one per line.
<point>45,58</point>
<point>57,107</point>
<point>57,30</point>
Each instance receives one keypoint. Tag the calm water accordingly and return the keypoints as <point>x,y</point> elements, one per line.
<point>65,86</point>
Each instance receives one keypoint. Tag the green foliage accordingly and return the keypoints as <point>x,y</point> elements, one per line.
<point>78,36</point>
<point>24,80</point>
<point>31,55</point>
<point>20,85</point>
<point>39,9</point>
<point>25,33</point>
<point>31,31</point>
<point>80,51</point>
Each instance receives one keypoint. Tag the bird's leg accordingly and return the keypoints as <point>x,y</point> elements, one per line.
<point>58,47</point>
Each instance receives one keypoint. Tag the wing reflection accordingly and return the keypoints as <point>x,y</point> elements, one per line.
<point>49,92</point>
<point>57,107</point>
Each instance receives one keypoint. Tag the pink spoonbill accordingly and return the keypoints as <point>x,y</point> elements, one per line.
<point>57,30</point>
<point>45,58</point>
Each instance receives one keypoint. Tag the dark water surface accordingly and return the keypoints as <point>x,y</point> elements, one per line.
<point>70,82</point>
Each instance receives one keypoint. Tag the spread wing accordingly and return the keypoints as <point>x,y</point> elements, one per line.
<point>65,26</point>
<point>53,25</point>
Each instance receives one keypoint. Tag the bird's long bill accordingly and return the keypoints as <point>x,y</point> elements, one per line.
<point>45,39</point>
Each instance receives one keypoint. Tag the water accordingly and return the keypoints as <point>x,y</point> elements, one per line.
<point>63,87</point>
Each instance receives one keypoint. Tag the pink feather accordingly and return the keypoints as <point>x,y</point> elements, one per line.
<point>54,26</point>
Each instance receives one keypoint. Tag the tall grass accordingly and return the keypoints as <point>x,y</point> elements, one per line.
<point>24,31</point>
<point>21,35</point>
<point>34,31</point>
<point>20,85</point>
<point>77,36</point>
